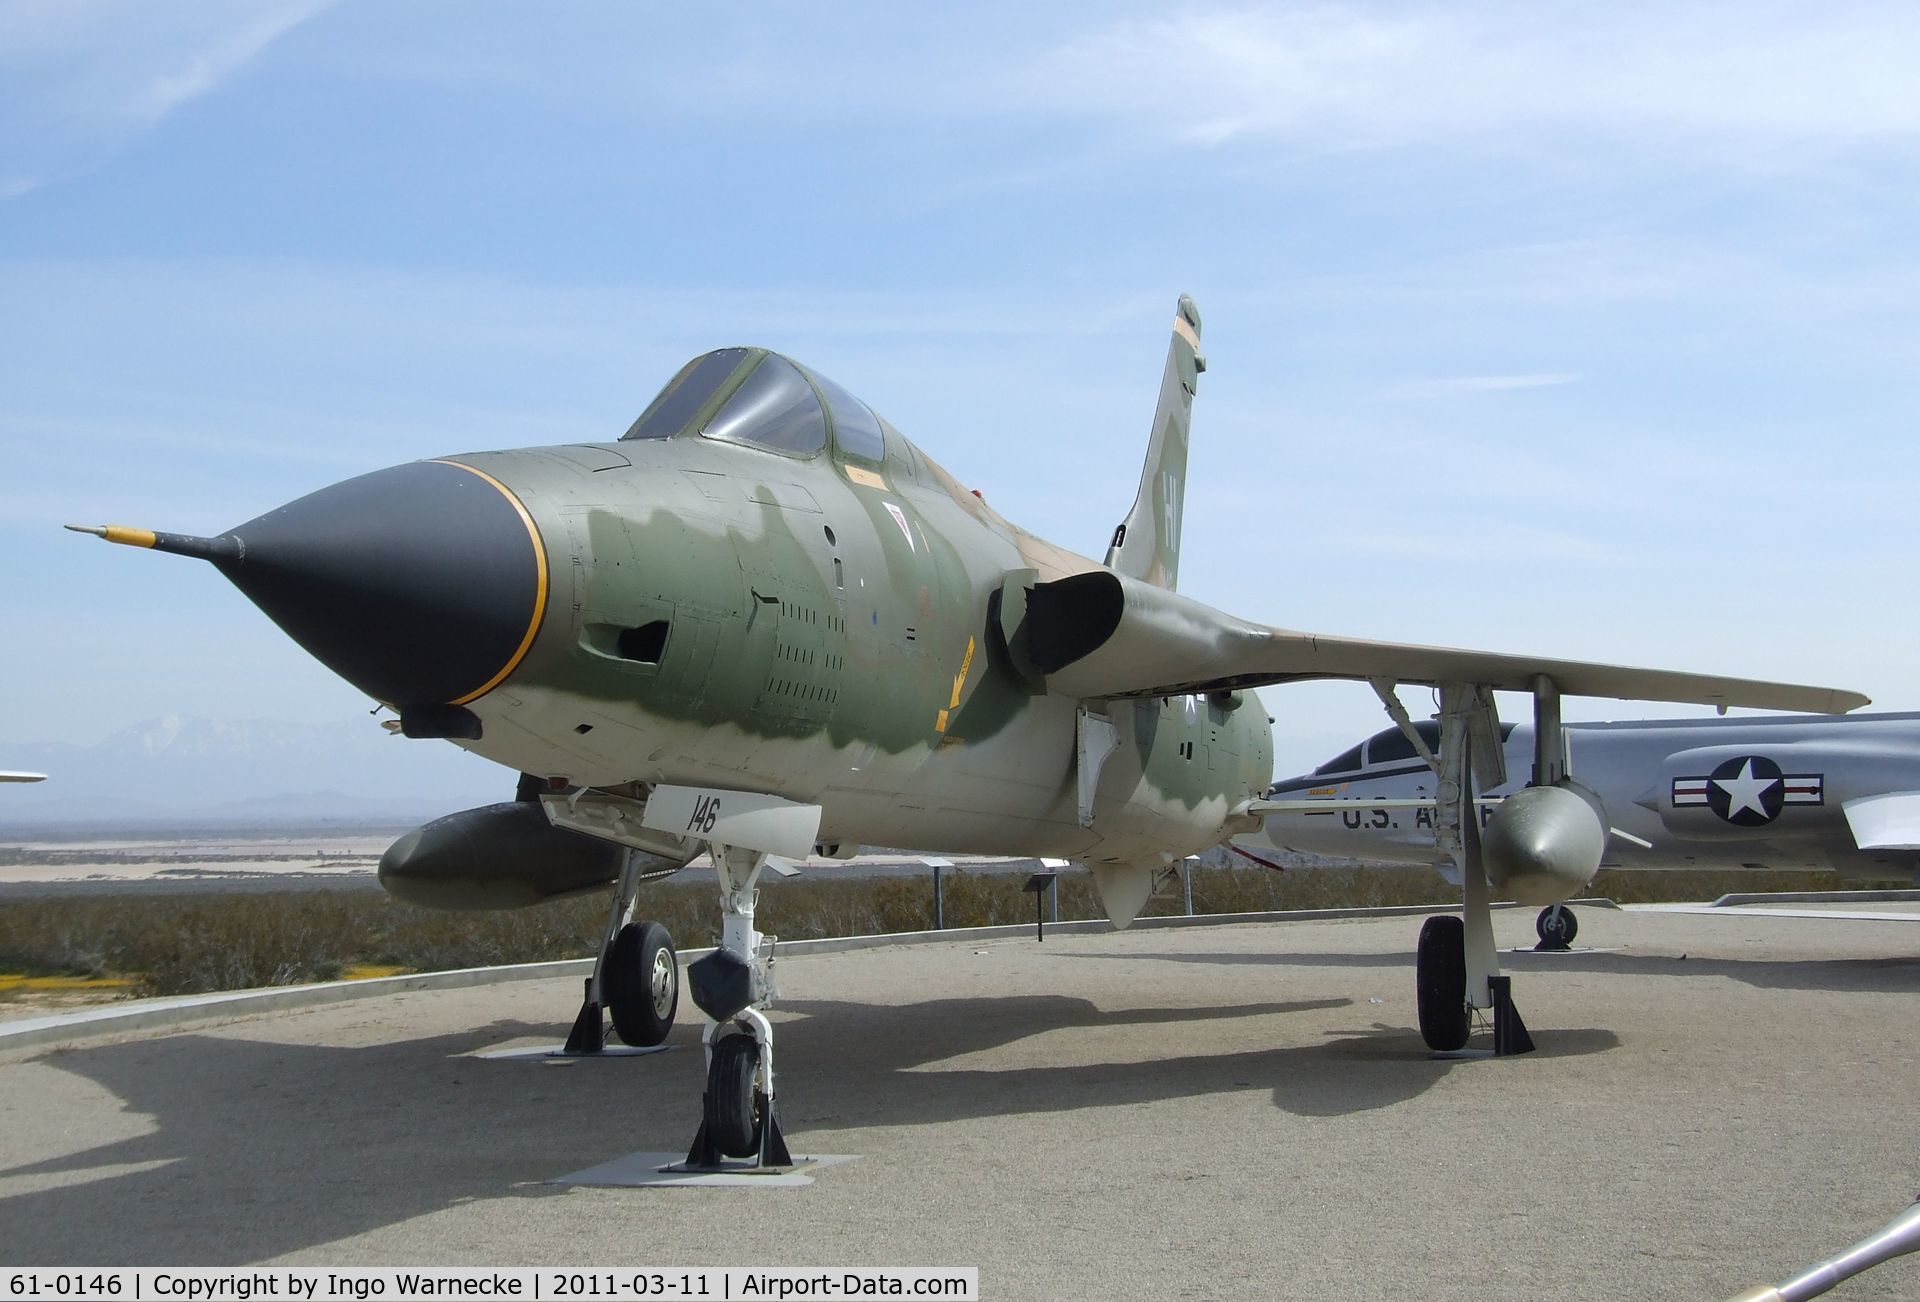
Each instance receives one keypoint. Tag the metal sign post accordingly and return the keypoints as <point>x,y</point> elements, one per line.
<point>939,866</point>
<point>1038,886</point>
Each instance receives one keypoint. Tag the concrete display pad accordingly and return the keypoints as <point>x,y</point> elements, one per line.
<point>1576,953</point>
<point>1907,914</point>
<point>543,1051</point>
<point>1227,1111</point>
<point>660,1171</point>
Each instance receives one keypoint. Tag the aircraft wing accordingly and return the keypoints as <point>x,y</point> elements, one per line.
<point>1099,634</point>
<point>22,777</point>
<point>1291,657</point>
<point>1885,822</point>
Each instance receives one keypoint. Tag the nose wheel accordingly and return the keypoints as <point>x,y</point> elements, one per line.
<point>739,1125</point>
<point>1556,926</point>
<point>735,1105</point>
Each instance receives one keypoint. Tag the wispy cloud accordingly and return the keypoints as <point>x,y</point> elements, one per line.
<point>88,77</point>
<point>1323,76</point>
<point>1346,75</point>
<point>195,71</point>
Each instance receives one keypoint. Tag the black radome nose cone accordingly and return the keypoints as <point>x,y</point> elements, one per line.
<point>421,584</point>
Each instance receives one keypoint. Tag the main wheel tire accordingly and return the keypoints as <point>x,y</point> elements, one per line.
<point>1556,926</point>
<point>641,983</point>
<point>733,1096</point>
<point>1440,983</point>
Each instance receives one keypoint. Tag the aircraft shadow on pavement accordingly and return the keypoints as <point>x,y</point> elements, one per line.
<point>258,1148</point>
<point>1387,1064</point>
<point>1882,975</point>
<point>905,1046</point>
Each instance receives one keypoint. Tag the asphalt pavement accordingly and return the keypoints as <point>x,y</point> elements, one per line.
<point>1233,1111</point>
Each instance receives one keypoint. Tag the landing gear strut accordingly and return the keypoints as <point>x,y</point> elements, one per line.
<point>733,985</point>
<point>636,976</point>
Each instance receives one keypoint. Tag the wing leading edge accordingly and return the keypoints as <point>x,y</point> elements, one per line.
<point>1100,634</point>
<point>1294,657</point>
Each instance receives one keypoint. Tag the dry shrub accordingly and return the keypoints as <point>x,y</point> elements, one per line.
<point>186,943</point>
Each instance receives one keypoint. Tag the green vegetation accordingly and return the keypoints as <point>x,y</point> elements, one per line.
<point>185,943</point>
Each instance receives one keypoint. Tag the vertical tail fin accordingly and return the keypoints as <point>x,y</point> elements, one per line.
<point>1146,546</point>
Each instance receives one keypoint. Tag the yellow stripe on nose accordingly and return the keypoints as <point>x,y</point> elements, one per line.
<point>542,582</point>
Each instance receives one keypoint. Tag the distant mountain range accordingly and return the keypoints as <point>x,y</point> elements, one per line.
<point>256,771</point>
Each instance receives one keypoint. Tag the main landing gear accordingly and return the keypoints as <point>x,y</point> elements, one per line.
<point>1440,983</point>
<point>1456,971</point>
<point>733,985</point>
<point>1457,968</point>
<point>1441,991</point>
<point>636,978</point>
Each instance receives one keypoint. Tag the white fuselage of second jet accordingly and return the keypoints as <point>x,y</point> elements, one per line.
<point>1821,791</point>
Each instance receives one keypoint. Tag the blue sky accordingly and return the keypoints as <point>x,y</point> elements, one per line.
<point>1583,329</point>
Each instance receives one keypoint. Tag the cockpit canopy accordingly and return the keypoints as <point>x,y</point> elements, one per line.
<point>1391,744</point>
<point>763,400</point>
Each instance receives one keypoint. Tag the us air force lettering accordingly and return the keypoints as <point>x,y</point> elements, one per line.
<point>764,621</point>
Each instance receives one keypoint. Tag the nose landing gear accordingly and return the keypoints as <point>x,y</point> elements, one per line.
<point>1556,926</point>
<point>740,1118</point>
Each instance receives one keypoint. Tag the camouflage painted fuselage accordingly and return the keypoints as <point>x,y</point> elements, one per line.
<point>823,630</point>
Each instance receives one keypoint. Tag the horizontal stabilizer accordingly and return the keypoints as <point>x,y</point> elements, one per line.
<point>1889,822</point>
<point>1099,634</point>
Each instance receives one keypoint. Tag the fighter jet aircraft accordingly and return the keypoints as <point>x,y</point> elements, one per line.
<point>1805,792</point>
<point>762,620</point>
